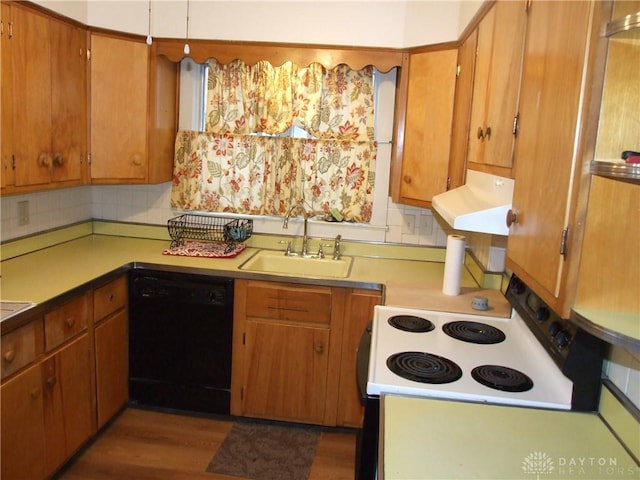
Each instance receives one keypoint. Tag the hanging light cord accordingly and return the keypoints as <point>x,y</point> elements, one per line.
<point>149,40</point>
<point>186,44</point>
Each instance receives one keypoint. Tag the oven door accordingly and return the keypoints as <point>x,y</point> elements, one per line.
<point>367,437</point>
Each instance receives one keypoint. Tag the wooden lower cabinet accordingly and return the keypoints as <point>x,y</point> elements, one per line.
<point>47,413</point>
<point>22,413</point>
<point>287,374</point>
<point>60,377</point>
<point>294,351</point>
<point>358,313</point>
<point>68,402</point>
<point>112,366</point>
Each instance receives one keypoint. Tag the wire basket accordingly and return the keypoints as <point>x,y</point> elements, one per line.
<point>205,228</point>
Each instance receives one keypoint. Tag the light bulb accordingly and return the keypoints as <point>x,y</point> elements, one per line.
<point>187,50</point>
<point>149,40</point>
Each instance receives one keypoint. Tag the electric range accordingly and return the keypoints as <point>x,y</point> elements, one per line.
<point>532,359</point>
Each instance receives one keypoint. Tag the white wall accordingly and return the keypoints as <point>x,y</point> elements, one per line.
<point>383,23</point>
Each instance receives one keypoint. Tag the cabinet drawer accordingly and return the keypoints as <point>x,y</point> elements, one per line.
<point>21,347</point>
<point>66,321</point>
<point>109,298</point>
<point>300,304</point>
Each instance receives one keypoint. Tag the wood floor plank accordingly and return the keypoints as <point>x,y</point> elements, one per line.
<point>149,445</point>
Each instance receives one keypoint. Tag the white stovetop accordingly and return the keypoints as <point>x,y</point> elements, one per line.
<point>519,351</point>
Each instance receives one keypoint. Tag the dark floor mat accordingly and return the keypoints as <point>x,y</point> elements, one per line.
<point>266,451</point>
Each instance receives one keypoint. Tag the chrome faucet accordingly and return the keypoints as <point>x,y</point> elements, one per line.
<point>336,247</point>
<point>305,236</point>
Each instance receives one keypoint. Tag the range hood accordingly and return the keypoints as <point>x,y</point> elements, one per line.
<point>480,205</point>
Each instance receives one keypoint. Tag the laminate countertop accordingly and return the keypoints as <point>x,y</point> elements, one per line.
<point>45,274</point>
<point>438,439</point>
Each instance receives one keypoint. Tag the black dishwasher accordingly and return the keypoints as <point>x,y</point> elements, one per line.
<point>180,336</point>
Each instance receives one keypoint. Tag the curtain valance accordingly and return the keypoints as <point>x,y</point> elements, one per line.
<point>225,52</point>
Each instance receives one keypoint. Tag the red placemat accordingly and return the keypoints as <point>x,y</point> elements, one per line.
<point>206,249</point>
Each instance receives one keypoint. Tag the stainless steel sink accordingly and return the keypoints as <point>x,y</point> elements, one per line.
<point>269,261</point>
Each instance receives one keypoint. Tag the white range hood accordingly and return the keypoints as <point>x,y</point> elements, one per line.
<point>480,205</point>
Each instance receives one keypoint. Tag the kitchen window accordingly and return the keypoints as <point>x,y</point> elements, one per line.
<point>192,119</point>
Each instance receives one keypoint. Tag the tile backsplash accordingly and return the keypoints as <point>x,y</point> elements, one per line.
<point>150,204</point>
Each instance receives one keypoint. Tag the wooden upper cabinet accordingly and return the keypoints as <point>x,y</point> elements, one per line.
<point>555,86</point>
<point>6,99</point>
<point>420,165</point>
<point>47,75</point>
<point>68,101</point>
<point>133,112</point>
<point>496,87</point>
<point>462,110</point>
<point>119,105</point>
<point>31,65</point>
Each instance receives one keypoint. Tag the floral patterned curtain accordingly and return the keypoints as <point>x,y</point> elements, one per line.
<point>235,167</point>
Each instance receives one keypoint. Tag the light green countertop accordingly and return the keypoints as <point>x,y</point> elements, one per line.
<point>46,273</point>
<point>435,439</point>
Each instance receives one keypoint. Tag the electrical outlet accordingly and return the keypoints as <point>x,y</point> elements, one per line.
<point>23,212</point>
<point>409,224</point>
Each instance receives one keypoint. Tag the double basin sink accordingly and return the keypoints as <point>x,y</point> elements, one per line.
<point>270,261</point>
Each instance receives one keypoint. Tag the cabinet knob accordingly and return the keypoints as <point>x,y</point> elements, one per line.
<point>35,393</point>
<point>136,159</point>
<point>70,321</point>
<point>487,133</point>
<point>58,160</point>
<point>9,355</point>
<point>44,160</point>
<point>51,381</point>
<point>319,348</point>
<point>407,179</point>
<point>480,134</point>
<point>512,218</point>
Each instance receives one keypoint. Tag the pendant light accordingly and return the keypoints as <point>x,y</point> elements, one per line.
<point>187,50</point>
<point>149,39</point>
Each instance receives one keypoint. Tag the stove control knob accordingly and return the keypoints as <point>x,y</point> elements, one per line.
<point>563,338</point>
<point>542,314</point>
<point>517,286</point>
<point>554,328</point>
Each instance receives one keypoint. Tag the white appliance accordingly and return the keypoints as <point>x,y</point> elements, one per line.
<point>480,205</point>
<point>533,359</point>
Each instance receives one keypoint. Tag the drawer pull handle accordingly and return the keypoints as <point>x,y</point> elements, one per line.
<point>70,321</point>
<point>111,297</point>
<point>9,356</point>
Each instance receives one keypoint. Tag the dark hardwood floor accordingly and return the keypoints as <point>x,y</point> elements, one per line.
<point>149,445</point>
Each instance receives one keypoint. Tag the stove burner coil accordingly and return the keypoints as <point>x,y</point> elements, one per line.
<point>411,323</point>
<point>502,378</point>
<point>424,367</point>
<point>474,332</point>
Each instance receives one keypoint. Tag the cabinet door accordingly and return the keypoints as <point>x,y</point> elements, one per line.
<point>285,371</point>
<point>68,101</point>
<point>23,426</point>
<point>6,100</point>
<point>550,103</point>
<point>112,366</point>
<point>497,79</point>
<point>428,122</point>
<point>31,65</point>
<point>358,313</point>
<point>119,79</point>
<point>68,401</point>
